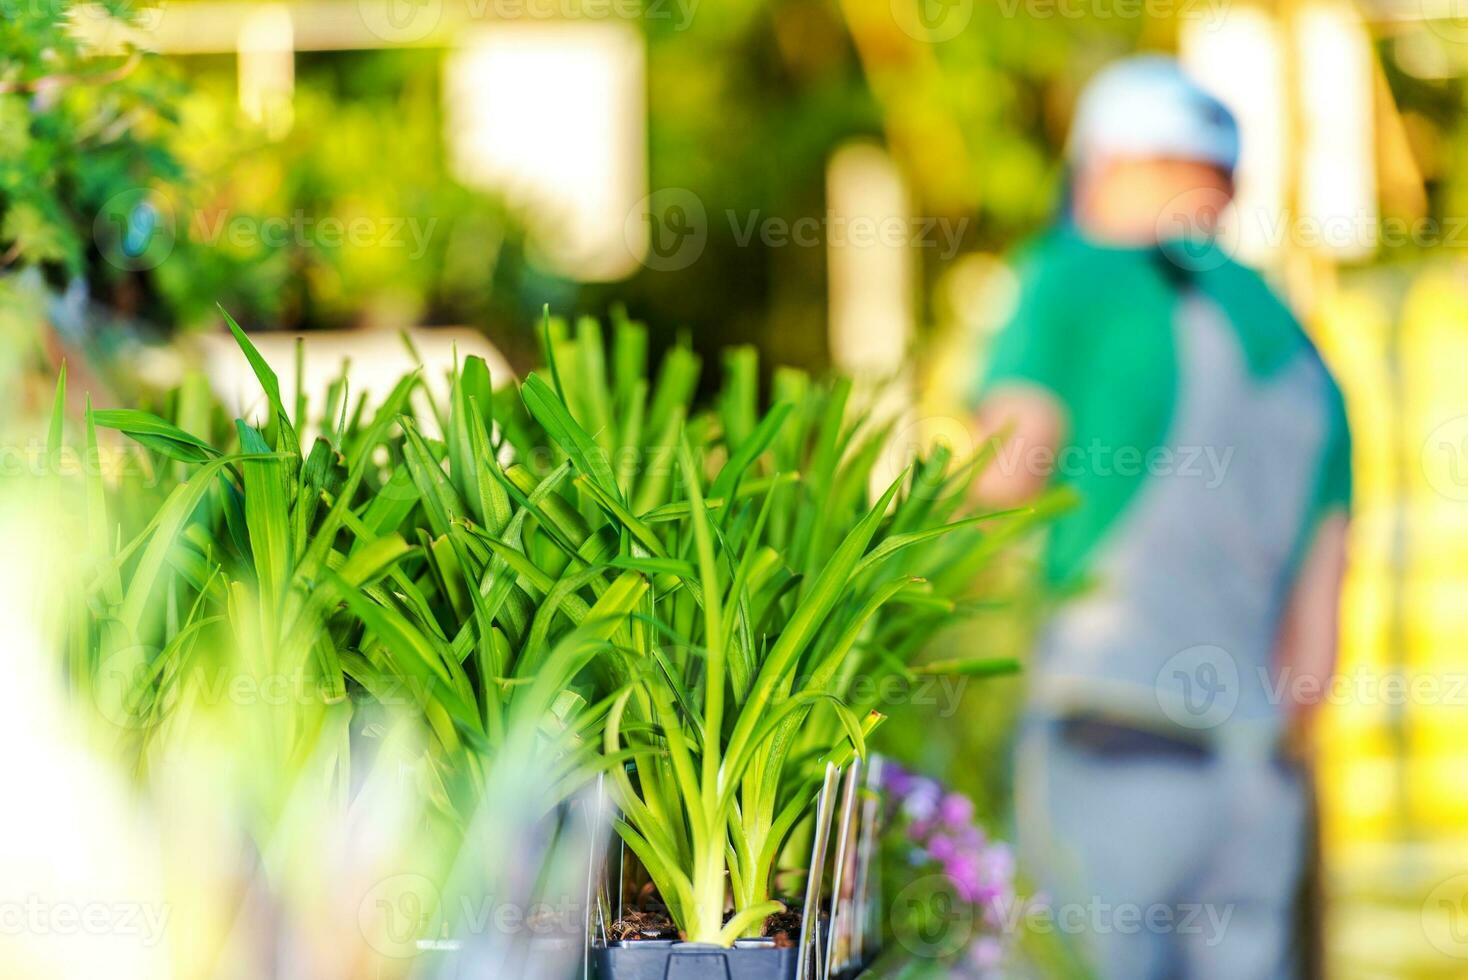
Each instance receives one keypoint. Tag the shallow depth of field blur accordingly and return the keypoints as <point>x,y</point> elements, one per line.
<point>837,182</point>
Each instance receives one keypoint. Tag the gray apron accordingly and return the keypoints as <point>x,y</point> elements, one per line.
<point>1179,631</point>
<point>1177,640</point>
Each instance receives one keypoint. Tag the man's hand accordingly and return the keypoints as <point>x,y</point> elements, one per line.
<point>1030,422</point>
<point>1305,654</point>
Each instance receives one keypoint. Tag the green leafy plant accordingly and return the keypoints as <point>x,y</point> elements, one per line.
<point>776,584</point>
<point>585,573</point>
<point>381,579</point>
<point>357,578</point>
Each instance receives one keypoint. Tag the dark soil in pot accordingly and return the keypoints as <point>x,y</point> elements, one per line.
<point>639,924</point>
<point>784,927</point>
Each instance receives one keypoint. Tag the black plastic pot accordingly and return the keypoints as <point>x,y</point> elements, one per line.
<point>666,959</point>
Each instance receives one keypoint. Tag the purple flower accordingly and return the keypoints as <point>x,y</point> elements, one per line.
<point>997,861</point>
<point>921,801</point>
<point>996,877</point>
<point>942,848</point>
<point>966,874</point>
<point>971,837</point>
<point>956,810</point>
<point>940,832</point>
<point>897,781</point>
<point>981,875</point>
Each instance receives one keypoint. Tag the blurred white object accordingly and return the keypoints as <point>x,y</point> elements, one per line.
<point>267,67</point>
<point>1213,54</point>
<point>80,892</point>
<point>872,272</point>
<point>554,116</point>
<point>1335,170</point>
<point>1338,200</point>
<point>378,359</point>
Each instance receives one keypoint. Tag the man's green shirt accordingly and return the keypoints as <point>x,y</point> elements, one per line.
<point>1096,326</point>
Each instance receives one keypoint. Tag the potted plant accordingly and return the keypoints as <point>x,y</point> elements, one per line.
<point>582,577</point>
<point>778,592</point>
<point>382,580</point>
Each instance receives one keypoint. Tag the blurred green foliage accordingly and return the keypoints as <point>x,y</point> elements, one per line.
<point>77,130</point>
<point>350,218</point>
<point>1432,114</point>
<point>747,101</point>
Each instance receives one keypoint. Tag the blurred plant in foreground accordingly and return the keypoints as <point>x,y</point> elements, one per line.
<point>247,633</point>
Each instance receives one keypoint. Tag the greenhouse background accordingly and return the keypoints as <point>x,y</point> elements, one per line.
<point>839,183</point>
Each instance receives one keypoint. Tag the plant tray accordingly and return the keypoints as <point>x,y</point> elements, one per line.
<point>667,959</point>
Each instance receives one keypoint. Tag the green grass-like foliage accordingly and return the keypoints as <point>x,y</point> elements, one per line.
<point>585,569</point>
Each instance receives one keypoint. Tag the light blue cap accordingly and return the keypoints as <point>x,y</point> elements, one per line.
<point>1148,107</point>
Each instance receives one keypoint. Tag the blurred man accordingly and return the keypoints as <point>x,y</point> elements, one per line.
<point>1161,793</point>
